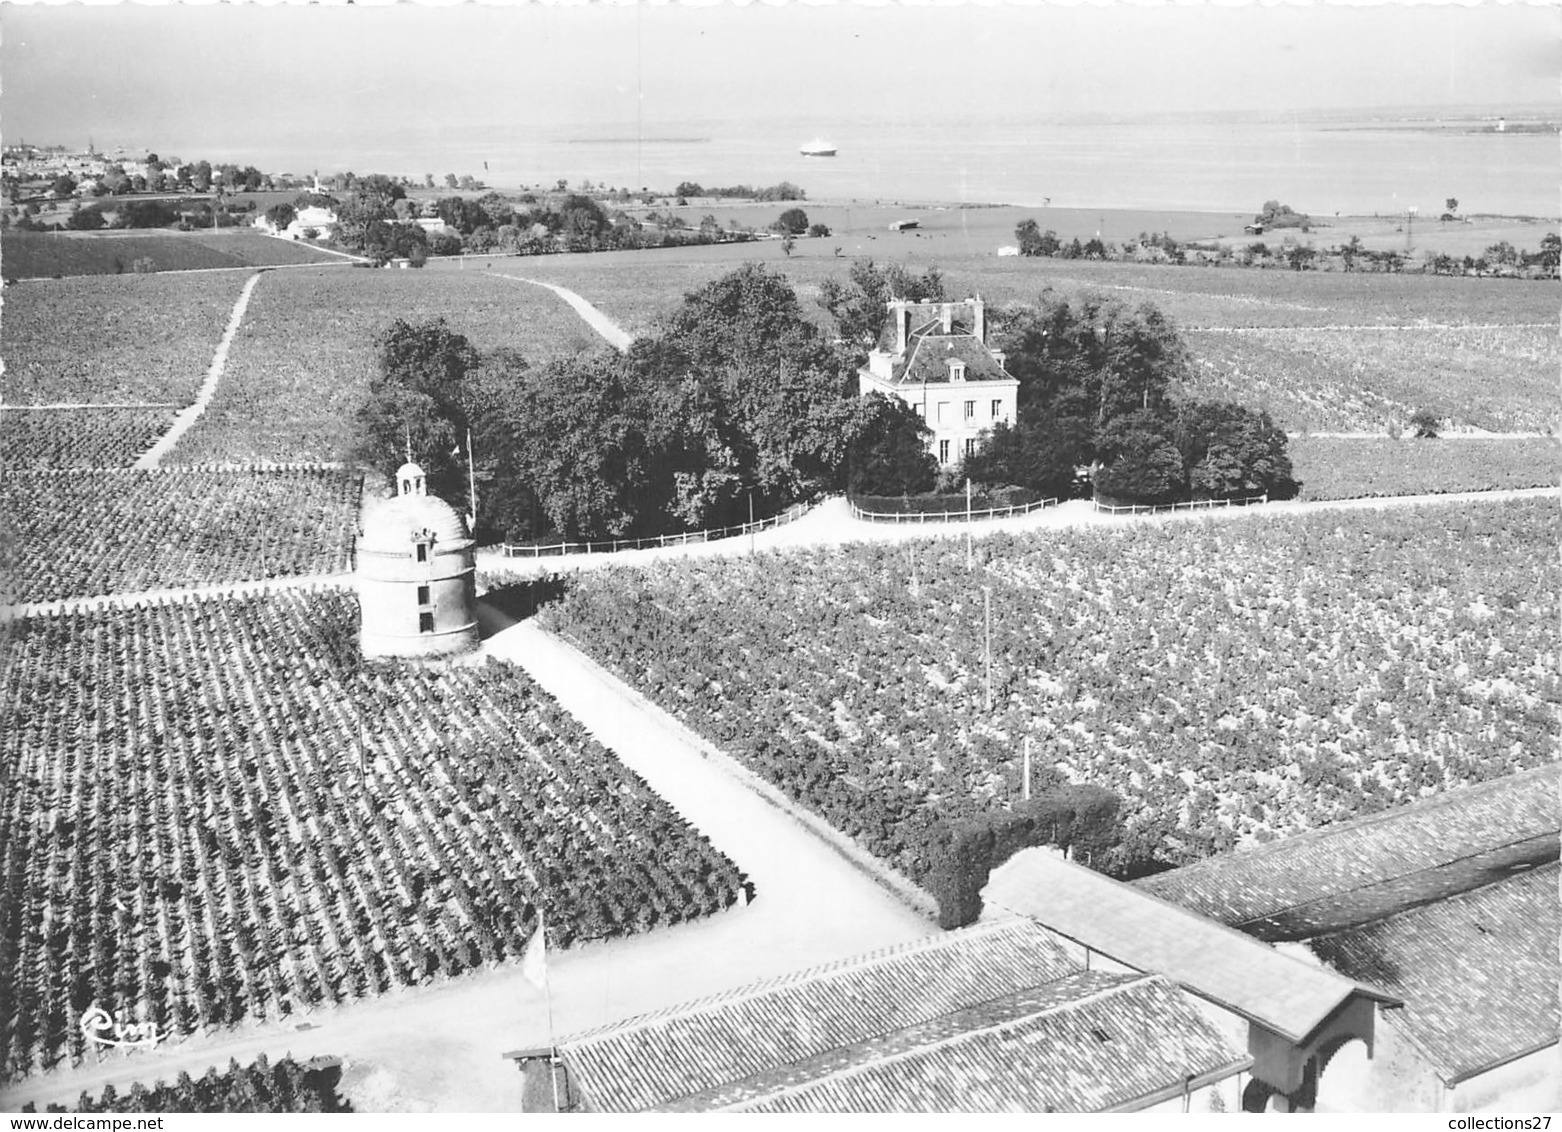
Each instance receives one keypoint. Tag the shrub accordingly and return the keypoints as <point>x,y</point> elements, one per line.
<point>1424,424</point>
<point>1082,817</point>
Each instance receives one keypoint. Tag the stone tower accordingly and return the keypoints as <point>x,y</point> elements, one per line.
<point>416,586</point>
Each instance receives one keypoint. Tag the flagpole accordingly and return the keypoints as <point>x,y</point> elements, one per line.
<point>471,478</point>
<point>547,993</point>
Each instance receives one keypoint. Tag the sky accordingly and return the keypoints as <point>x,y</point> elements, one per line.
<point>192,78</point>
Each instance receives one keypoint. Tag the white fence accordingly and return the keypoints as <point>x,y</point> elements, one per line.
<point>1191,505</point>
<point>611,546</point>
<point>950,516</point>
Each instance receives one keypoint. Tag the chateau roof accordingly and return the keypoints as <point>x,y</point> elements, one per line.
<point>990,1018</point>
<point>1478,971</point>
<point>928,360</point>
<point>1360,870</point>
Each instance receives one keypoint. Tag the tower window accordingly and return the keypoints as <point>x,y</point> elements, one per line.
<point>425,622</point>
<point>422,552</point>
<point>423,595</point>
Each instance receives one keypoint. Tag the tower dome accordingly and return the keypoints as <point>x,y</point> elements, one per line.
<point>416,583</point>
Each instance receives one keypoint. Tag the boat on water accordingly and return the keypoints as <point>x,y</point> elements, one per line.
<point>818,148</point>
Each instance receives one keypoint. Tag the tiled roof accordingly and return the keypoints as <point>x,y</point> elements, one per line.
<point>1478,972</point>
<point>1087,1043</point>
<point>1230,969</point>
<point>1360,870</point>
<point>928,360</point>
<point>850,1029</point>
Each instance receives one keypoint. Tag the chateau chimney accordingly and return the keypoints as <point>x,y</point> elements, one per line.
<point>948,313</point>
<point>979,319</point>
<point>902,324</point>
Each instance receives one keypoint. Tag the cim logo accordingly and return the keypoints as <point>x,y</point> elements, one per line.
<point>99,1027</point>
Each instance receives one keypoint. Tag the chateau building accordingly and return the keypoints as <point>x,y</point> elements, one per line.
<point>935,357</point>
<point>416,584</point>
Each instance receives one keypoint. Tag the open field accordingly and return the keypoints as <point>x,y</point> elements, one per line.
<point>113,339</point>
<point>215,811</point>
<point>39,439</point>
<point>1350,468</point>
<point>1231,682</point>
<point>304,356</point>
<point>80,534</point>
<point>38,255</point>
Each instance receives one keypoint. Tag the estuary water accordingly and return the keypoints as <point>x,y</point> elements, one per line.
<point>1355,165</point>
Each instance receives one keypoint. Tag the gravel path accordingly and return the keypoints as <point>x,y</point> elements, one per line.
<point>831,524</point>
<point>616,335</point>
<point>187,417</point>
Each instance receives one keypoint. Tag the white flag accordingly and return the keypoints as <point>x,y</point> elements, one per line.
<point>534,960</point>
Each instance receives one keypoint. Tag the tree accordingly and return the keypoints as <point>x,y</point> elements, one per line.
<point>1424,424</point>
<point>450,181</point>
<point>279,216</point>
<point>88,219</point>
<point>889,455</point>
<point>788,242</point>
<point>147,214</point>
<point>1453,204</point>
<point>1230,451</point>
<point>817,230</point>
<point>419,395</point>
<point>1034,454</point>
<point>63,186</point>
<point>793,222</point>
<point>1034,242</point>
<point>858,305</point>
<point>1140,462</point>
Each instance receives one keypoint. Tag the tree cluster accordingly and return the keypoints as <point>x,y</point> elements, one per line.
<point>859,305</point>
<point>736,400</point>
<point>1100,388</point>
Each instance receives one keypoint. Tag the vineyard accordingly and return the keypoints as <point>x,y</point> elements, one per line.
<point>305,354</point>
<point>1232,682</point>
<point>1500,379</point>
<point>260,1086</point>
<point>113,339</point>
<point>1349,468</point>
<point>39,439</point>
<point>84,533</point>
<point>36,255</point>
<point>213,811</point>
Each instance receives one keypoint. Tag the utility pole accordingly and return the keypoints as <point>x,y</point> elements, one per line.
<point>751,520</point>
<point>1025,780</point>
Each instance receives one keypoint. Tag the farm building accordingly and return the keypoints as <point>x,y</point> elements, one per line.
<point>416,582</point>
<point>935,357</point>
<point>994,1018</point>
<point>1451,904</point>
<point>309,218</point>
<point>1292,1016</point>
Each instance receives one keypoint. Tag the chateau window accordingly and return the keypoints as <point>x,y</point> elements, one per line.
<point>956,371</point>
<point>997,408</point>
<point>970,446</point>
<point>970,410</point>
<point>423,597</point>
<point>425,622</point>
<point>942,405</point>
<point>921,409</point>
<point>943,451</point>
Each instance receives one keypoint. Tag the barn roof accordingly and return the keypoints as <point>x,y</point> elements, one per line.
<point>944,1022</point>
<point>1357,871</point>
<point>1232,970</point>
<point>1478,972</point>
